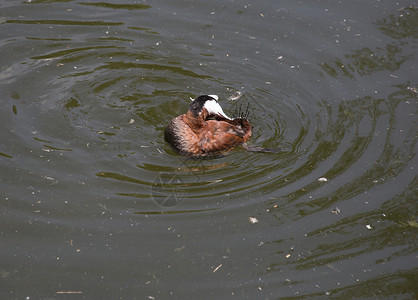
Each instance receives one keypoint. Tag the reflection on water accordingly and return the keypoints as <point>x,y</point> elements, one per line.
<point>400,25</point>
<point>173,211</point>
<point>388,57</point>
<point>94,202</point>
<point>366,61</point>
<point>118,6</point>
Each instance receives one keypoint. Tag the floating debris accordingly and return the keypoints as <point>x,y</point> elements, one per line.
<point>334,268</point>
<point>217,268</point>
<point>336,211</point>
<point>412,89</point>
<point>253,220</point>
<point>369,227</point>
<point>235,97</point>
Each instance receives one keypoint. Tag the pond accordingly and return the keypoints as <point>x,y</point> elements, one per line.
<point>96,205</point>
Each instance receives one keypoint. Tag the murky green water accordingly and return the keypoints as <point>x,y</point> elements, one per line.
<point>95,205</point>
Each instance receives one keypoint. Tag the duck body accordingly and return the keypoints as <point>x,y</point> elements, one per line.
<point>205,130</point>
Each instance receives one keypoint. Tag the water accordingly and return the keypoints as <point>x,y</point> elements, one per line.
<point>95,204</point>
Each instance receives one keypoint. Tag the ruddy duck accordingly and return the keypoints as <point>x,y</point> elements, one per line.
<point>205,130</point>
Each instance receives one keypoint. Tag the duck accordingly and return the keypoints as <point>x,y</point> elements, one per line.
<point>205,130</point>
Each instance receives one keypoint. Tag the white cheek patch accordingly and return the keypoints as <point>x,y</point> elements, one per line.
<point>214,108</point>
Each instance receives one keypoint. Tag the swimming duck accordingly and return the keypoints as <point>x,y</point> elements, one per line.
<point>205,130</point>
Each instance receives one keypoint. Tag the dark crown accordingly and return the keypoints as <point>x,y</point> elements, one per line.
<point>197,105</point>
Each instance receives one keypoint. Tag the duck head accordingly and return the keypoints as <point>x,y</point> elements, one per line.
<point>207,106</point>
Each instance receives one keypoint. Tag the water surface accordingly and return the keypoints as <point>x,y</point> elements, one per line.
<point>95,204</point>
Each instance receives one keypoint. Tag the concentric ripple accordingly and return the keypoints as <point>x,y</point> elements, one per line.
<point>87,176</point>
